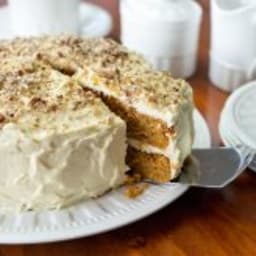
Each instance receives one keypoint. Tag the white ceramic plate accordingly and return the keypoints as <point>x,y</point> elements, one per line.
<point>108,212</point>
<point>94,21</point>
<point>235,117</point>
<point>228,135</point>
<point>242,108</point>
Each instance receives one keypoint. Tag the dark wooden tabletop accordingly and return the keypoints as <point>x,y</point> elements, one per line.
<point>201,222</point>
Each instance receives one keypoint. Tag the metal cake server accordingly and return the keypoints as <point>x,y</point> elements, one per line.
<point>214,167</point>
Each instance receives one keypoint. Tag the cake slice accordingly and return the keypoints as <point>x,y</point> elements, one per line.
<point>158,112</point>
<point>58,143</point>
<point>157,108</point>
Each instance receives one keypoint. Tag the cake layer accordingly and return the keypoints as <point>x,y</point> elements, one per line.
<point>140,127</point>
<point>58,143</point>
<point>150,166</point>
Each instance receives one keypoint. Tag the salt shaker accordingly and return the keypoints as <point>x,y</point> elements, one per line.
<point>165,31</point>
<point>233,43</point>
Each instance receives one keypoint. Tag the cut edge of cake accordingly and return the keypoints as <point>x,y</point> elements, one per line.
<point>178,120</point>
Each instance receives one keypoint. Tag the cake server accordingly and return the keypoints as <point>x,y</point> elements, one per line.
<point>214,167</point>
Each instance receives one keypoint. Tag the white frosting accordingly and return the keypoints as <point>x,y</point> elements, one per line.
<point>167,114</point>
<point>60,169</point>
<point>60,145</point>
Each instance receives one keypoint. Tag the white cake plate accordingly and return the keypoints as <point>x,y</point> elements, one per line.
<point>238,121</point>
<point>88,218</point>
<point>94,21</point>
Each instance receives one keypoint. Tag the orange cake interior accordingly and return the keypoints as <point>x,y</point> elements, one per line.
<point>148,131</point>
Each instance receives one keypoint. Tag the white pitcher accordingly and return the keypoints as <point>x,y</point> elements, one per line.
<point>233,43</point>
<point>166,32</point>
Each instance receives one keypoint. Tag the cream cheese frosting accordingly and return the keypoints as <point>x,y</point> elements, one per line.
<point>107,67</point>
<point>152,93</point>
<point>58,143</point>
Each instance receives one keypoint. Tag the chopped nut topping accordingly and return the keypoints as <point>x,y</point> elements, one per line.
<point>133,191</point>
<point>37,96</point>
<point>53,107</point>
<point>37,102</point>
<point>2,118</point>
<point>35,68</point>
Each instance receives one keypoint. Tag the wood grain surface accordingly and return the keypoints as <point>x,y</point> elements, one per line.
<point>202,222</point>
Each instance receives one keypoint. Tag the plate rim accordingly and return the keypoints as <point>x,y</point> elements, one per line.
<point>78,232</point>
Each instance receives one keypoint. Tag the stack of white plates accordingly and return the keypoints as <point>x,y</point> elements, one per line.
<point>238,119</point>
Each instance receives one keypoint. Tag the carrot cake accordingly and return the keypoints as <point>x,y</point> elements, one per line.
<point>156,108</point>
<point>58,143</point>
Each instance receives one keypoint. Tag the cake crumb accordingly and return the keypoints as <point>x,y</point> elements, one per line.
<point>135,190</point>
<point>2,118</point>
<point>133,178</point>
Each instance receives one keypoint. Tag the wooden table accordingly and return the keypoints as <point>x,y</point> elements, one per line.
<point>202,222</point>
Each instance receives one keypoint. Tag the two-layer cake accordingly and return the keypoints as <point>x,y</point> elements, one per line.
<point>156,108</point>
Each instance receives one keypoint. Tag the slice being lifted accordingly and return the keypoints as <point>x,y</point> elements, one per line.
<point>158,112</point>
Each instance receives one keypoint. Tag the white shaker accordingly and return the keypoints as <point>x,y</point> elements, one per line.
<point>166,32</point>
<point>36,17</point>
<point>233,43</point>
